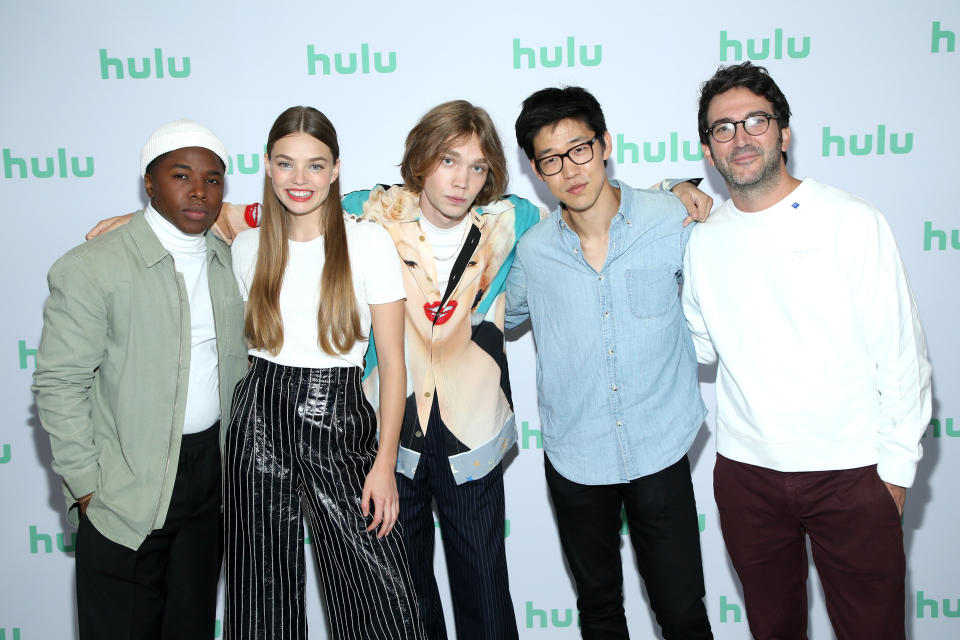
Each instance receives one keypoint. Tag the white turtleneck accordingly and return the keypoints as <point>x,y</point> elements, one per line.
<point>190,258</point>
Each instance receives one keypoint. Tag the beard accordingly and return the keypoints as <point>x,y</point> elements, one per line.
<point>757,180</point>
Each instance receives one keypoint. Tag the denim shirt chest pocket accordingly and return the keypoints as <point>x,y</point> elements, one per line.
<point>653,291</point>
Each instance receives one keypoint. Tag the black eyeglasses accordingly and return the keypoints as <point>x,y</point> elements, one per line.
<point>754,125</point>
<point>579,154</point>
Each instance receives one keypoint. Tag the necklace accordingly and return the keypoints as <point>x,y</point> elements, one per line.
<point>434,233</point>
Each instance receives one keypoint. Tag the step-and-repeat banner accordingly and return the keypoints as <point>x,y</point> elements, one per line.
<point>874,91</point>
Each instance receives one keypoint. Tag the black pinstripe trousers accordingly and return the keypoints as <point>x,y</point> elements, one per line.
<point>307,434</point>
<point>472,530</point>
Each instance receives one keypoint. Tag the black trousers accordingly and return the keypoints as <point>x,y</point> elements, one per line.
<point>472,530</point>
<point>307,434</point>
<point>662,518</point>
<point>167,588</point>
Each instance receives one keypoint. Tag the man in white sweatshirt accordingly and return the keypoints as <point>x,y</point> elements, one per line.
<point>797,291</point>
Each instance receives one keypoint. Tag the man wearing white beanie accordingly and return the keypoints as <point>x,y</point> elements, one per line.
<point>142,346</point>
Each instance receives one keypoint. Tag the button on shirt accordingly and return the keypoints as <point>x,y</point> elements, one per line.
<point>616,367</point>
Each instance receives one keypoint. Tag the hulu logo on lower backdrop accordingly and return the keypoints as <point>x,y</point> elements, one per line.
<point>13,635</point>
<point>663,150</point>
<point>554,618</point>
<point>942,427</point>
<point>321,61</point>
<point>60,166</point>
<point>928,607</point>
<point>866,146</point>
<point>937,238</point>
<point>730,612</point>
<point>942,36</point>
<point>43,542</point>
<point>5,454</point>
<point>25,354</point>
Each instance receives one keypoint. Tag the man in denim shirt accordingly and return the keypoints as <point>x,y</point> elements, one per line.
<point>616,369</point>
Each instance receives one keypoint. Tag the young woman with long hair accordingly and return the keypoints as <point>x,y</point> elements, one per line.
<point>301,428</point>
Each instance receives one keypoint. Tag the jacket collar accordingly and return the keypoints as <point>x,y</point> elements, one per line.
<point>152,251</point>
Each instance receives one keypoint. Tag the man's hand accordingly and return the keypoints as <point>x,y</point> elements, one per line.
<point>83,502</point>
<point>898,493</point>
<point>698,203</point>
<point>108,224</point>
<point>380,487</point>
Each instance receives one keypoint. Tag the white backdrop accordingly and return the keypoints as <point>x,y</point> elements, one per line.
<point>873,87</point>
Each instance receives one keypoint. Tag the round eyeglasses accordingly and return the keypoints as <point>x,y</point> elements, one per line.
<point>579,154</point>
<point>754,125</point>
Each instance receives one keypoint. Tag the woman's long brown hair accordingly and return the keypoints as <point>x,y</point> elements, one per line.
<point>338,322</point>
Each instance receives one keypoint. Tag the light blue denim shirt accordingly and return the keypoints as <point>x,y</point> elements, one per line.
<point>616,367</point>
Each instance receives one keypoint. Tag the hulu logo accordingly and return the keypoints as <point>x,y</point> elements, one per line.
<point>558,58</point>
<point>527,434</point>
<point>15,635</point>
<point>116,64</point>
<point>541,618</point>
<point>59,166</point>
<point>26,353</point>
<point>243,165</point>
<point>314,58</point>
<point>935,422</point>
<point>691,150</point>
<point>929,235</point>
<point>865,147</point>
<point>930,605</point>
<point>36,539</point>
<point>506,528</point>
<point>5,457</point>
<point>759,49</point>
<point>730,612</point>
<point>218,629</point>
<point>625,529</point>
<point>949,38</point>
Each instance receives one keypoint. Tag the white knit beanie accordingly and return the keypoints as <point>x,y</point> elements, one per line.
<point>180,134</point>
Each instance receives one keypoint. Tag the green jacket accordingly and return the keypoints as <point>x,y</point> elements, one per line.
<point>112,369</point>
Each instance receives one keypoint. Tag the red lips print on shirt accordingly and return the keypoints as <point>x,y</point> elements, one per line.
<point>436,315</point>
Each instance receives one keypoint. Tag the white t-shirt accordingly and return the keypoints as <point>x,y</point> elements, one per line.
<point>377,279</point>
<point>805,306</point>
<point>446,245</point>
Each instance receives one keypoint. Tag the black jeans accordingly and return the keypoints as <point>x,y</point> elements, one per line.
<point>662,518</point>
<point>167,588</point>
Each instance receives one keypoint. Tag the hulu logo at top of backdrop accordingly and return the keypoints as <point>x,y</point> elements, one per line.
<point>565,54</point>
<point>60,166</point>
<point>14,635</point>
<point>246,164</point>
<point>760,48</point>
<point>867,143</point>
<point>943,37</point>
<point>348,63</point>
<point>140,68</point>
<point>671,150</point>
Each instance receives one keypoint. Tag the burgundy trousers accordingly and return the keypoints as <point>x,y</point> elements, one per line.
<point>856,539</point>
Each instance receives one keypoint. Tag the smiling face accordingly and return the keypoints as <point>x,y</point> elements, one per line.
<point>453,185</point>
<point>749,164</point>
<point>185,186</point>
<point>582,188</point>
<point>301,169</point>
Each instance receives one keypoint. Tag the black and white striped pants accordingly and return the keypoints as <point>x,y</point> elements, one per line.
<point>307,433</point>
